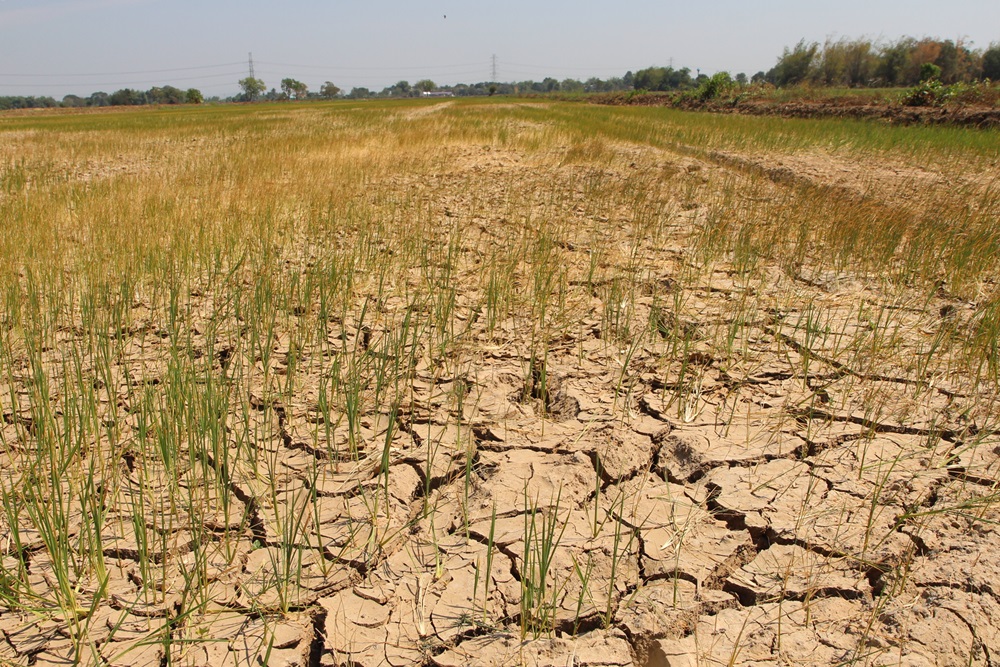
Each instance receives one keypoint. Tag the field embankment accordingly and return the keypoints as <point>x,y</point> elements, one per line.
<point>861,107</point>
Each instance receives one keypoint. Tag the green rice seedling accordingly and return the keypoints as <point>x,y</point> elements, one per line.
<point>468,464</point>
<point>615,325</point>
<point>539,592</point>
<point>384,465</point>
<point>287,560</point>
<point>490,546</point>
<point>597,522</point>
<point>626,381</point>
<point>619,548</point>
<point>583,575</point>
<point>353,388</point>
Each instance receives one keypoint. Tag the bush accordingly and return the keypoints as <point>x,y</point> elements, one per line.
<point>929,72</point>
<point>714,86</point>
<point>934,93</point>
<point>929,93</point>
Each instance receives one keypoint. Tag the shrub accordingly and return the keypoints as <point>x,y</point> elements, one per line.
<point>928,93</point>
<point>929,72</point>
<point>714,86</point>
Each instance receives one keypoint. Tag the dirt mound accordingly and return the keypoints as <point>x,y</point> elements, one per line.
<point>854,108</point>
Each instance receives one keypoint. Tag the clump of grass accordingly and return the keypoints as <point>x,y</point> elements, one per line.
<point>540,592</point>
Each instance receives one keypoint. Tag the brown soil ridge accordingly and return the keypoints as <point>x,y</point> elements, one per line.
<point>980,117</point>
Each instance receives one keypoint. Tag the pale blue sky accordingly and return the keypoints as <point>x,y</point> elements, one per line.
<point>47,45</point>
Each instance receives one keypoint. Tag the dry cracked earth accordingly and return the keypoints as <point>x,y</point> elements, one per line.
<point>604,508</point>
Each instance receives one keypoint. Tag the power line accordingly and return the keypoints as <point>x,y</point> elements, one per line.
<point>114,83</point>
<point>147,71</point>
<point>604,68</point>
<point>371,69</point>
<point>436,68</point>
<point>272,71</point>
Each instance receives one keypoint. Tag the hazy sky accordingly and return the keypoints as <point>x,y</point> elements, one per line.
<point>55,47</point>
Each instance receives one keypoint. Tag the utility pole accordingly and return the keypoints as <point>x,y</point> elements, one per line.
<point>251,89</point>
<point>493,71</point>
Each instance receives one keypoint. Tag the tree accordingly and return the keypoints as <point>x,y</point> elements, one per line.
<point>571,86</point>
<point>73,101</point>
<point>929,72</point>
<point>793,65</point>
<point>648,79</point>
<point>328,90</point>
<point>991,63</point>
<point>949,59</point>
<point>662,78</point>
<point>425,85</point>
<point>713,87</point>
<point>98,99</point>
<point>127,97</point>
<point>893,61</point>
<point>861,61</point>
<point>831,68</point>
<point>294,89</point>
<point>193,96</point>
<point>359,93</point>
<point>164,95</point>
<point>252,88</point>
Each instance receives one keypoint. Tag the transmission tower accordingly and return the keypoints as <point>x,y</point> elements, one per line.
<point>493,70</point>
<point>251,66</point>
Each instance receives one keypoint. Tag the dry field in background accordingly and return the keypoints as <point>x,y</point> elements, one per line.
<point>496,384</point>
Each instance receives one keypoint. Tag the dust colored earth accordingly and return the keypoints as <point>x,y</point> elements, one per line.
<point>473,384</point>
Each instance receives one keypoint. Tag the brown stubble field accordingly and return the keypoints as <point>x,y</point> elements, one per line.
<point>496,383</point>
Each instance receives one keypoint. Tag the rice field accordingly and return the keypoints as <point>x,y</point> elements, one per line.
<point>495,383</point>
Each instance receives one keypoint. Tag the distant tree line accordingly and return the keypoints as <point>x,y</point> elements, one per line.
<point>254,89</point>
<point>123,97</point>
<point>852,63</point>
<point>844,62</point>
<point>483,88</point>
<point>865,63</point>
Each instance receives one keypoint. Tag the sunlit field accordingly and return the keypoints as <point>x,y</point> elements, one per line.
<point>496,382</point>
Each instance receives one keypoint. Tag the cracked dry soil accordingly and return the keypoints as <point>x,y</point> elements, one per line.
<point>663,503</point>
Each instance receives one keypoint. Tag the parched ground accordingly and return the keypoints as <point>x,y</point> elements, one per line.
<point>701,459</point>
